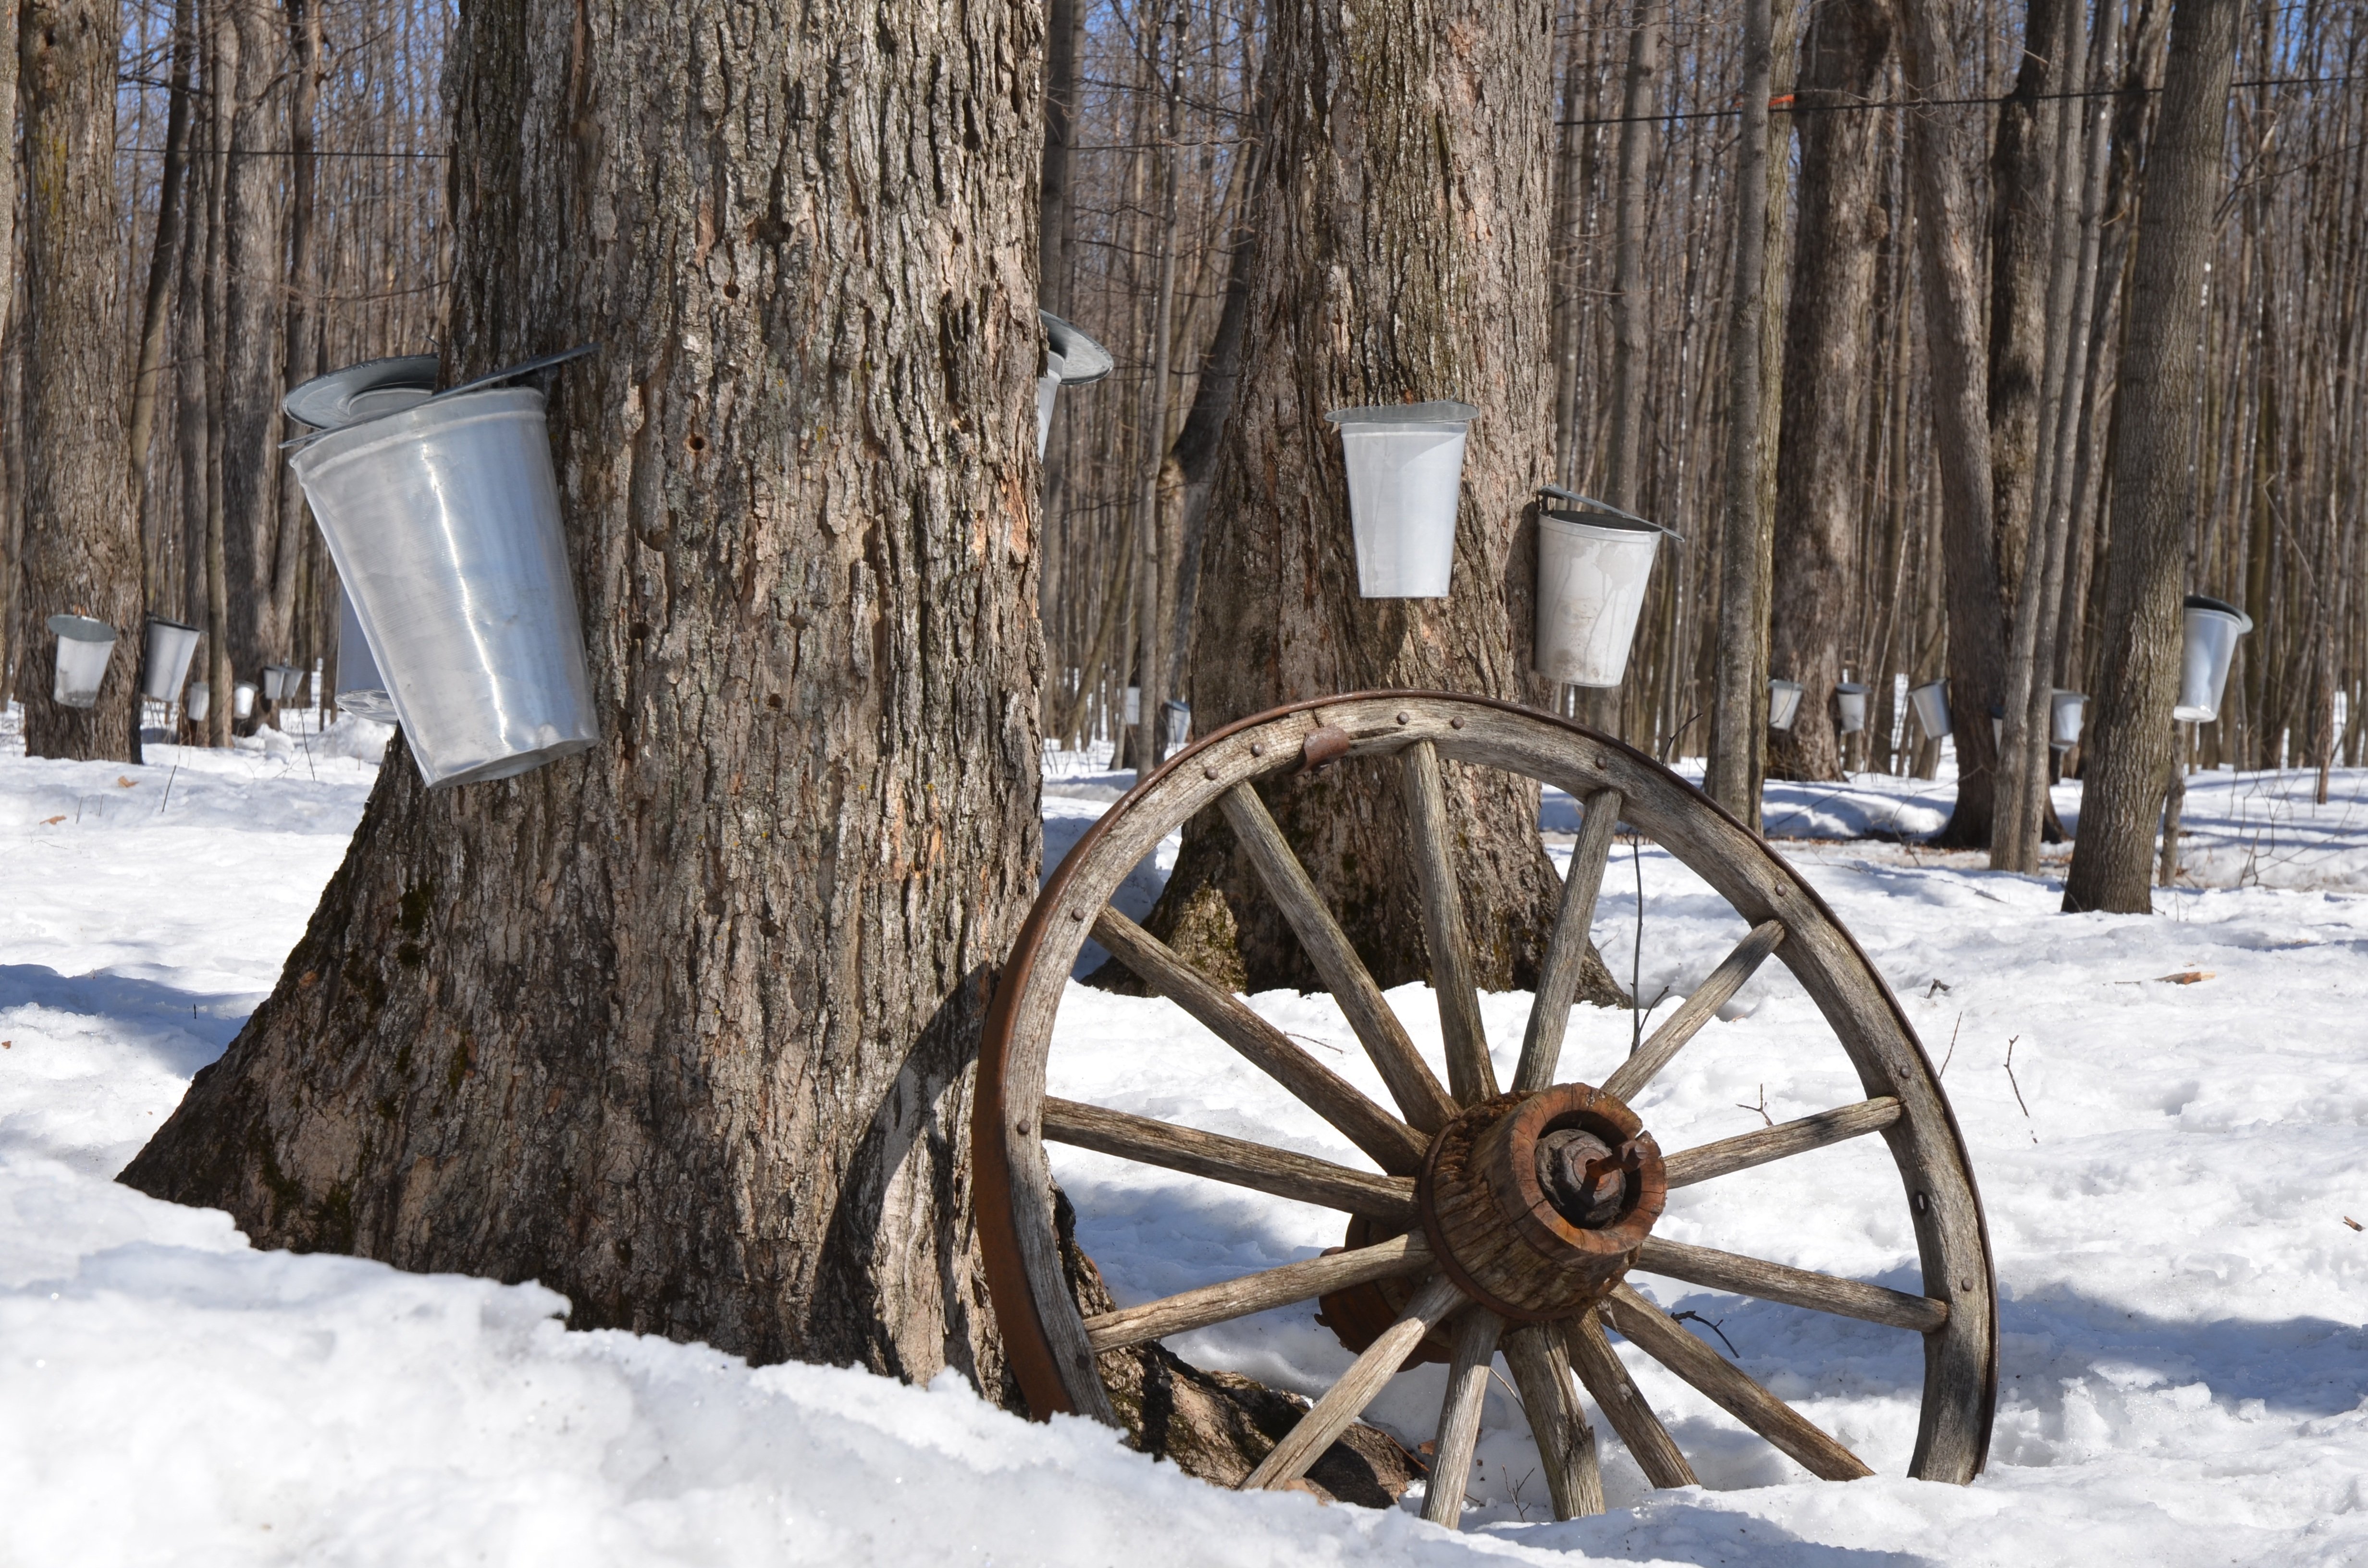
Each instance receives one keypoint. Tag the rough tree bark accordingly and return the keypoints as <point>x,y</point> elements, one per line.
<point>1829,336</point>
<point>80,552</point>
<point>1065,38</point>
<point>2129,761</point>
<point>1623,471</point>
<point>9,511</point>
<point>1403,254</point>
<point>681,1028</point>
<point>156,317</point>
<point>1960,416</point>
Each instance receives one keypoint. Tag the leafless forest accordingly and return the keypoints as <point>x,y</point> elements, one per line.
<point>282,207</point>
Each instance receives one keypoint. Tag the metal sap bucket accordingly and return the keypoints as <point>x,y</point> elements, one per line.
<point>443,520</point>
<point>241,699</point>
<point>360,689</point>
<point>1133,705</point>
<point>198,703</point>
<point>1783,703</point>
<point>1930,702</point>
<point>85,647</point>
<point>1593,570</point>
<point>1406,479</point>
<point>281,683</point>
<point>2065,712</point>
<point>1176,722</point>
<point>2206,650</point>
<point>1850,708</point>
<point>170,645</point>
<point>1071,359</point>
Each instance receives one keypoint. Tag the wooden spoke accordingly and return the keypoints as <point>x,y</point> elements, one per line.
<point>1236,1160</point>
<point>1729,1387</point>
<point>1459,1415</point>
<point>1781,1142</point>
<point>1794,1286</point>
<point>1696,1010</point>
<point>1566,950</point>
<point>1419,1098</point>
<point>1565,1442</point>
<point>1346,1400</point>
<point>1395,1146</point>
<point>1622,1404</point>
<point>1471,1076</point>
<point>1259,1292</point>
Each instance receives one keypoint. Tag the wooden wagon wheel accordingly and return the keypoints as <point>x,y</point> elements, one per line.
<point>1511,1218</point>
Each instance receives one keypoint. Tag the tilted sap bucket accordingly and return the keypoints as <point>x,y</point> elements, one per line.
<point>1593,570</point>
<point>199,703</point>
<point>85,645</point>
<point>1930,702</point>
<point>170,645</point>
<point>443,521</point>
<point>1071,359</point>
<point>359,688</point>
<point>2205,652</point>
<point>2065,712</point>
<point>1406,479</point>
<point>1783,703</point>
<point>1850,708</point>
<point>241,699</point>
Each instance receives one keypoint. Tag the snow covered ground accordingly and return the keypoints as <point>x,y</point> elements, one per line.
<point>2166,1168</point>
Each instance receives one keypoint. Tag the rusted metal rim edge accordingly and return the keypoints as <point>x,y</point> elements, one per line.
<point>1029,1354</point>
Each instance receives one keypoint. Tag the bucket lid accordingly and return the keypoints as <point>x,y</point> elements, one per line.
<point>367,390</point>
<point>178,626</point>
<point>1788,685</point>
<point>2202,601</point>
<point>1849,685</point>
<point>1587,508</point>
<point>523,368</point>
<point>82,629</point>
<point>1081,359</point>
<point>1406,413</point>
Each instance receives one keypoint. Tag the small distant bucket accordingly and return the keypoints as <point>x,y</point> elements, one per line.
<point>1135,705</point>
<point>1406,480</point>
<point>1593,569</point>
<point>2207,649</point>
<point>1176,724</point>
<point>443,520</point>
<point>360,689</point>
<point>1783,703</point>
<point>198,703</point>
<point>2065,712</point>
<point>1850,708</point>
<point>241,699</point>
<point>1930,702</point>
<point>85,647</point>
<point>281,683</point>
<point>170,645</point>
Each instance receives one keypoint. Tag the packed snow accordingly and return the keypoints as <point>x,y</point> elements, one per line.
<point>2167,1115</point>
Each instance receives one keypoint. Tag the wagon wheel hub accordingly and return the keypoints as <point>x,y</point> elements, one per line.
<point>1535,1204</point>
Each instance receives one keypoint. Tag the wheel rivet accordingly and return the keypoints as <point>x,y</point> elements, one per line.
<point>1456,723</point>
<point>1779,890</point>
<point>1209,771</point>
<point>1405,718</point>
<point>1601,760</point>
<point>1257,748</point>
<point>1076,914</point>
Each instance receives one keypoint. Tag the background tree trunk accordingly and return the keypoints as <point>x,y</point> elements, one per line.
<point>10,476</point>
<point>1828,341</point>
<point>80,552</point>
<point>2128,768</point>
<point>156,314</point>
<point>1064,37</point>
<point>681,1026</point>
<point>1403,254</point>
<point>1624,469</point>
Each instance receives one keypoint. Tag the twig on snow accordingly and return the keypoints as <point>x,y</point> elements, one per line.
<point>1953,1048</point>
<point>1714,1327</point>
<point>2018,1087</point>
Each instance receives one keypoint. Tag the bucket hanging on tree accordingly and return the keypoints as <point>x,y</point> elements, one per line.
<point>1594,563</point>
<point>85,647</point>
<point>1930,703</point>
<point>1850,708</point>
<point>443,520</point>
<point>1071,359</point>
<point>198,703</point>
<point>281,682</point>
<point>1783,703</point>
<point>241,699</point>
<point>2207,648</point>
<point>2065,712</point>
<point>170,645</point>
<point>1176,725</point>
<point>1406,480</point>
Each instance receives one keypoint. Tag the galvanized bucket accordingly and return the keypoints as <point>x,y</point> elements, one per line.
<point>198,703</point>
<point>170,645</point>
<point>1071,359</point>
<point>85,647</point>
<point>1850,708</point>
<point>1406,479</point>
<point>2065,712</point>
<point>443,521</point>
<point>282,683</point>
<point>1593,570</point>
<point>360,689</point>
<point>1783,703</point>
<point>241,699</point>
<point>1930,702</point>
<point>2206,650</point>
<point>1176,722</point>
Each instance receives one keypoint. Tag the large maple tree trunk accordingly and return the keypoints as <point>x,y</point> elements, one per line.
<point>681,1026</point>
<point>1403,256</point>
<point>2129,764</point>
<point>1829,342</point>
<point>80,552</point>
